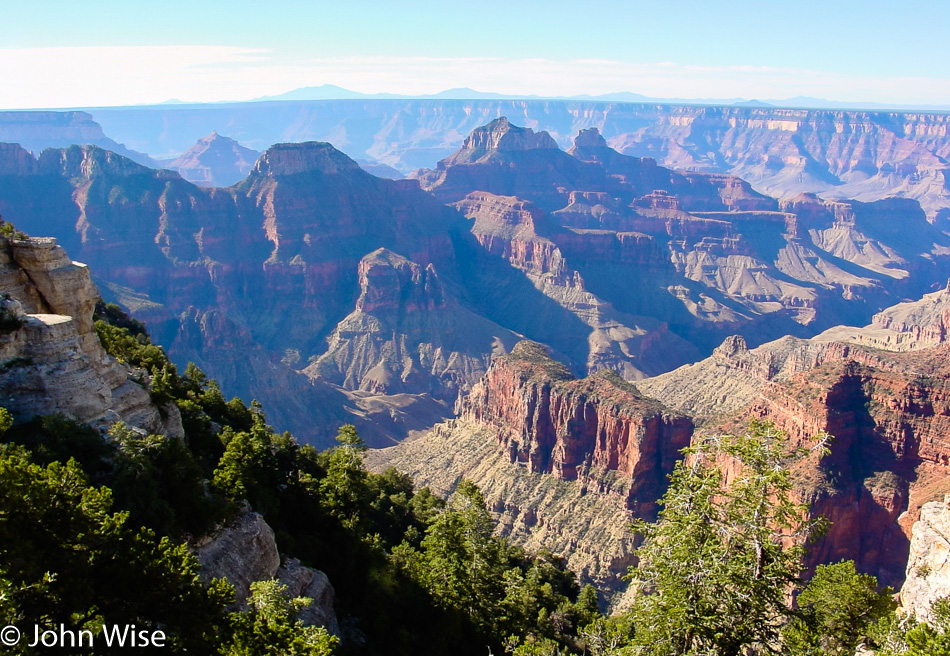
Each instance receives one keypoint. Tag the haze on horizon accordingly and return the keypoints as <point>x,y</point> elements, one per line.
<point>105,53</point>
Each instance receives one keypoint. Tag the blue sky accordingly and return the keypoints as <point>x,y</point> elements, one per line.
<point>104,52</point>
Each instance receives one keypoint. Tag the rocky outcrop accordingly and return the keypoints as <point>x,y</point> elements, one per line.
<point>559,309</point>
<point>564,464</point>
<point>37,131</point>
<point>585,523</point>
<point>886,409</point>
<point>584,253</point>
<point>51,361</point>
<point>273,261</point>
<point>507,160</point>
<point>556,425</point>
<point>245,551</point>
<point>928,565</point>
<point>409,333</point>
<point>242,552</point>
<point>215,161</point>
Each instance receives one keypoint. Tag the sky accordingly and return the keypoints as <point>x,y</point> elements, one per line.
<point>56,54</point>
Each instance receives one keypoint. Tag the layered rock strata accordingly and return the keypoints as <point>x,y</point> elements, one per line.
<point>862,154</point>
<point>564,463</point>
<point>886,410</point>
<point>51,361</point>
<point>612,261</point>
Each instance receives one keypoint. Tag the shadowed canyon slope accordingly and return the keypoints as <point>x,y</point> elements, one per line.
<point>541,443</point>
<point>311,275</point>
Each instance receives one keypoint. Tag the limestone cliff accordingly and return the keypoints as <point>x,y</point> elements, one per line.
<point>50,357</point>
<point>928,565</point>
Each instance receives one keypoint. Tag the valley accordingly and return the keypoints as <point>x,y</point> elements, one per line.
<point>554,324</point>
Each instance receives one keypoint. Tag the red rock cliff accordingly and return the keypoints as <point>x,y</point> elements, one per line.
<point>552,423</point>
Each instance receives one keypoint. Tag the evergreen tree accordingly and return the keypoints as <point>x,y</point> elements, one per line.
<point>715,570</point>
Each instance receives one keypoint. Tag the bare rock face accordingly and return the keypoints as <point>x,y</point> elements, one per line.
<point>585,522</point>
<point>613,261</point>
<point>887,411</point>
<point>928,565</point>
<point>242,552</point>
<point>561,310</point>
<point>869,155</point>
<point>52,361</point>
<point>37,131</point>
<point>409,332</point>
<point>507,160</point>
<point>245,551</point>
<point>311,583</point>
<point>273,261</point>
<point>564,464</point>
<point>556,425</point>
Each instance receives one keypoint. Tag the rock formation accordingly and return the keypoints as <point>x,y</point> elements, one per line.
<point>407,331</point>
<point>868,155</point>
<point>881,391</point>
<point>215,161</point>
<point>37,131</point>
<point>245,551</point>
<point>563,463</point>
<point>928,565</point>
<point>613,261</point>
<point>50,357</point>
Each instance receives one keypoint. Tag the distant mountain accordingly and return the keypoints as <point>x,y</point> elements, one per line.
<point>752,103</point>
<point>215,161</point>
<point>325,92</point>
<point>380,170</point>
<point>333,92</point>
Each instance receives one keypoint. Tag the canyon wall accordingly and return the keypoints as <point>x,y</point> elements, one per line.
<point>564,464</point>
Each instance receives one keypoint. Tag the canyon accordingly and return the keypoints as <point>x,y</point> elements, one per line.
<point>857,154</point>
<point>657,304</point>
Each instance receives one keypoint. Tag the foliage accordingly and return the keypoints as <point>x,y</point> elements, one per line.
<point>9,231</point>
<point>157,479</point>
<point>270,626</point>
<point>412,574</point>
<point>6,420</point>
<point>491,588</point>
<point>912,637</point>
<point>838,607</point>
<point>715,570</point>
<point>115,316</point>
<point>65,558</point>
